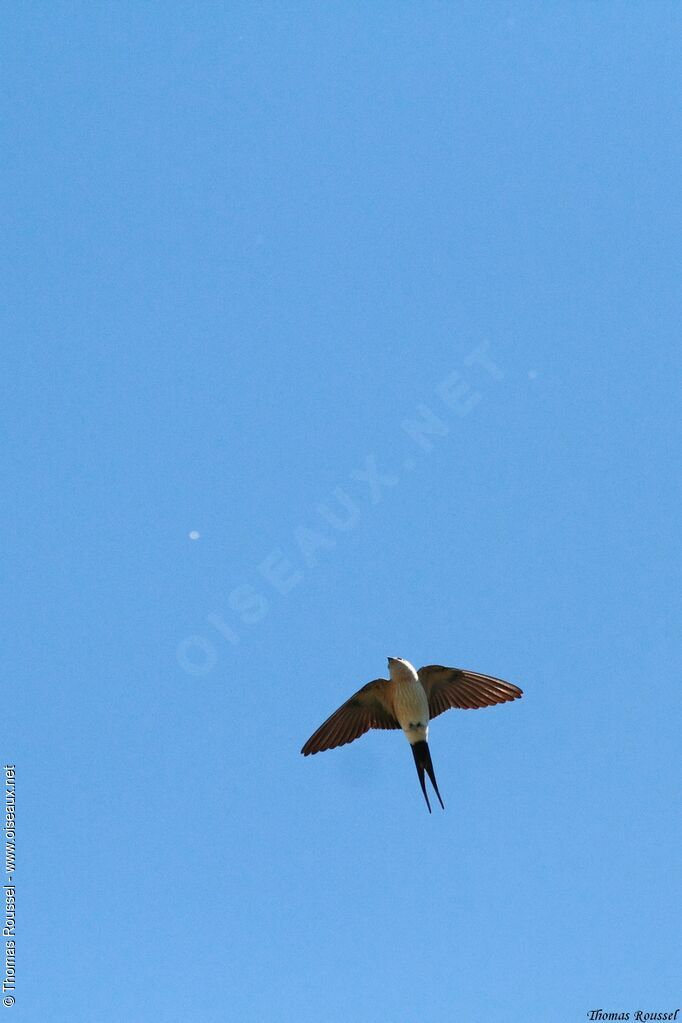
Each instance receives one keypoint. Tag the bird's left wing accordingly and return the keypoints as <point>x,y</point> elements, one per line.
<point>457,687</point>
<point>368,708</point>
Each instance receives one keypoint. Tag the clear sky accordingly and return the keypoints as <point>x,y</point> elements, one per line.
<point>383,302</point>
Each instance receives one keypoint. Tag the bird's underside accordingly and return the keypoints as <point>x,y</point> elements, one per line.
<point>373,705</point>
<point>409,700</point>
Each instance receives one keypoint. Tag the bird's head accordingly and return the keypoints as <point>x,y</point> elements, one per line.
<point>400,669</point>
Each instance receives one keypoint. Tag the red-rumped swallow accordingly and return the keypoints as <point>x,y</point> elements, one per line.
<point>408,700</point>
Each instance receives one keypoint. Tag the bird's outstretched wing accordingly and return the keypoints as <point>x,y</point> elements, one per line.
<point>366,709</point>
<point>457,687</point>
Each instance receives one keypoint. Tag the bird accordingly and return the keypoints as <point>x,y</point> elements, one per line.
<point>409,699</point>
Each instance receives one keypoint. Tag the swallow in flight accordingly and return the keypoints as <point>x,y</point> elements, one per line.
<point>408,700</point>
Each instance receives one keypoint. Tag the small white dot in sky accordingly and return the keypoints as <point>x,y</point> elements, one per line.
<point>194,535</point>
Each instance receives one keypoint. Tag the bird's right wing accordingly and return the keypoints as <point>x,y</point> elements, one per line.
<point>458,687</point>
<point>366,709</point>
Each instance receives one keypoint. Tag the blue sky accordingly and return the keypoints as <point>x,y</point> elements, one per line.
<point>252,251</point>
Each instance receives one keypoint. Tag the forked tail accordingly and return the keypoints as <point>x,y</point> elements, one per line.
<point>422,759</point>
